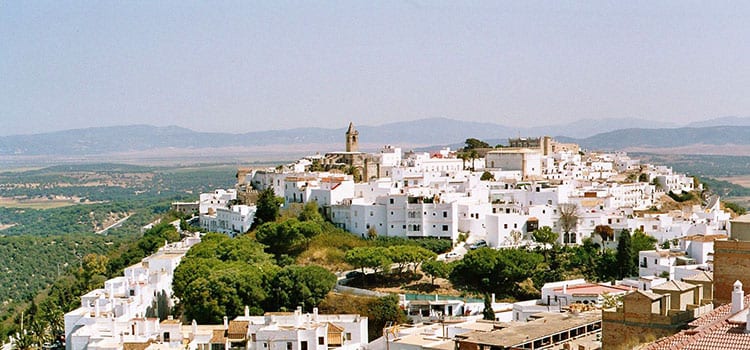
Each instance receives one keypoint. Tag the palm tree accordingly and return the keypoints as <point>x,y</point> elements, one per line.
<point>473,154</point>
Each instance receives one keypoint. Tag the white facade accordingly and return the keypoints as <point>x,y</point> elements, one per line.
<point>528,161</point>
<point>220,198</point>
<point>234,220</point>
<point>116,313</point>
<point>298,331</point>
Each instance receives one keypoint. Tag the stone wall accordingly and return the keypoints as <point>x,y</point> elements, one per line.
<point>620,336</point>
<point>731,263</point>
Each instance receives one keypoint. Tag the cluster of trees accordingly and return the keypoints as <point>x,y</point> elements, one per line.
<point>520,273</point>
<point>736,208</point>
<point>380,258</point>
<point>221,275</point>
<point>434,245</point>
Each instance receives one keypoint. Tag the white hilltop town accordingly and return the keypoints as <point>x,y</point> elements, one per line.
<point>494,197</point>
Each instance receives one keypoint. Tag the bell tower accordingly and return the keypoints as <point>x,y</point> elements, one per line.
<point>352,139</point>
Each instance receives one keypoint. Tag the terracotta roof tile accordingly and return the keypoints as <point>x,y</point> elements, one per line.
<point>712,331</point>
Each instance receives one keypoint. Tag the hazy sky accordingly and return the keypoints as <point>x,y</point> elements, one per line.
<point>245,66</point>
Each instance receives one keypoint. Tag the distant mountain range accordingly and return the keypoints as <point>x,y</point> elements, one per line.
<point>609,134</point>
<point>665,138</point>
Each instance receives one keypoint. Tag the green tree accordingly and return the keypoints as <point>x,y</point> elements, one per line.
<point>436,269</point>
<point>301,285</point>
<point>287,238</point>
<point>159,307</point>
<point>488,313</point>
<point>736,208</point>
<point>95,264</point>
<point>545,236</point>
<point>404,255</point>
<point>376,258</point>
<point>382,311</point>
<point>625,261</point>
<point>472,143</point>
<point>501,271</point>
<point>310,212</point>
<point>473,155</point>
<point>487,176</point>
<point>267,207</point>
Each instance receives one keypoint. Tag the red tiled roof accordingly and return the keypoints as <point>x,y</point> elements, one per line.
<point>712,331</point>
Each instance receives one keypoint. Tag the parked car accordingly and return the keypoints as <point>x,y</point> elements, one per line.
<point>478,244</point>
<point>451,255</point>
<point>354,274</point>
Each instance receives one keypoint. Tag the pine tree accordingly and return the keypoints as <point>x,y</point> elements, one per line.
<point>625,261</point>
<point>488,313</point>
<point>268,207</point>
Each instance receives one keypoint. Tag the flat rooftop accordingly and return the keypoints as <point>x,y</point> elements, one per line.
<point>518,333</point>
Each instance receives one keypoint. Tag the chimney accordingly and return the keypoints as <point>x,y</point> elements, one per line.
<point>194,325</point>
<point>96,308</point>
<point>565,288</point>
<point>747,323</point>
<point>738,297</point>
<point>315,314</point>
<point>247,311</point>
<point>226,323</point>
<point>493,298</point>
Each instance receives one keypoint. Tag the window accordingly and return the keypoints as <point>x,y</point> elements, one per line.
<point>391,200</point>
<point>404,227</point>
<point>252,336</point>
<point>303,345</point>
<point>288,345</point>
<point>445,214</point>
<point>515,225</point>
<point>347,336</point>
<point>505,226</point>
<point>321,341</point>
<point>445,227</point>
